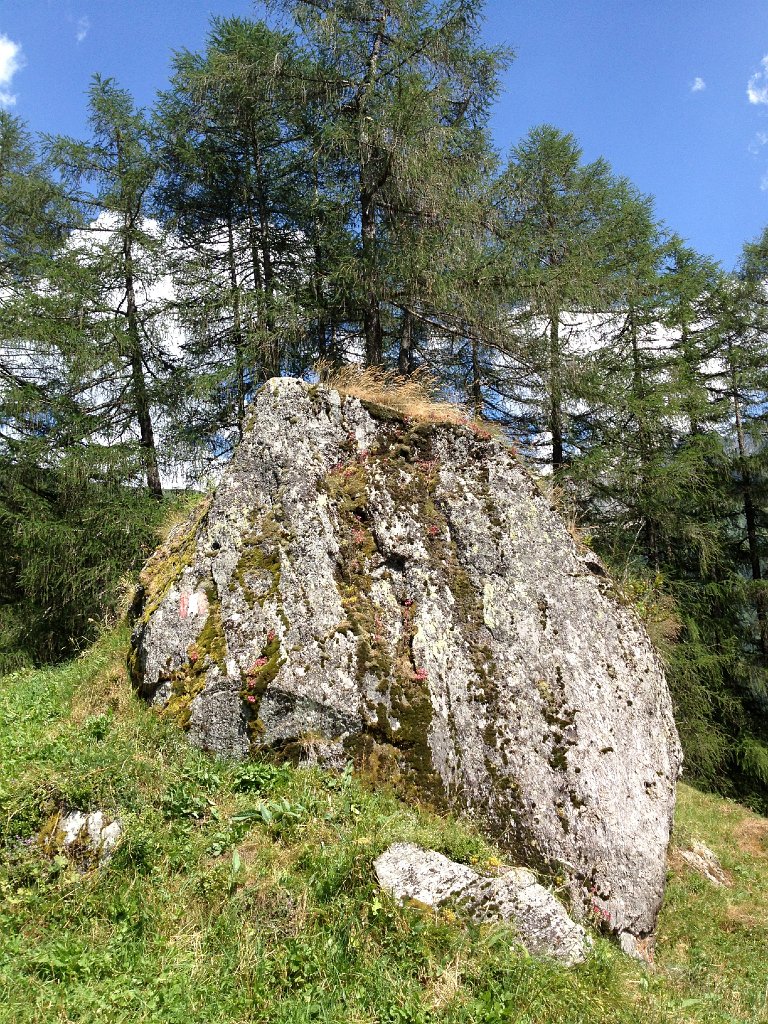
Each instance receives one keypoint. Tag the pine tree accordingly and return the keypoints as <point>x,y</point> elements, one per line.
<point>71,522</point>
<point>740,385</point>
<point>113,263</point>
<point>407,88</point>
<point>235,195</point>
<point>559,227</point>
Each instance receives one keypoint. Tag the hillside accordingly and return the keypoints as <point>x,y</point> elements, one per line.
<point>245,891</point>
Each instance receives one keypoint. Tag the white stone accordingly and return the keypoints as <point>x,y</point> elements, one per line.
<point>701,859</point>
<point>409,872</point>
<point>98,835</point>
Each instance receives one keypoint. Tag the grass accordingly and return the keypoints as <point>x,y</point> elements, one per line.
<point>244,892</point>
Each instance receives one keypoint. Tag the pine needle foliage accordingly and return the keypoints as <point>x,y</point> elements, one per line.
<point>68,547</point>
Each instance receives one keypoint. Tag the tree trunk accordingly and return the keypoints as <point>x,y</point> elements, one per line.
<point>237,331</point>
<point>477,389</point>
<point>405,352</point>
<point>271,348</point>
<point>650,529</point>
<point>139,386</point>
<point>374,339</point>
<point>555,392</point>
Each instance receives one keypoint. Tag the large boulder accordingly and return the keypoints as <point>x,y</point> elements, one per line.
<point>401,594</point>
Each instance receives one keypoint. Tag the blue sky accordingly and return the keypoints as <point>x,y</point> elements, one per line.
<point>673,93</point>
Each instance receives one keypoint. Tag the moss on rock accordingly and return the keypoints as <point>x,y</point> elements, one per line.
<point>258,568</point>
<point>167,564</point>
<point>209,650</point>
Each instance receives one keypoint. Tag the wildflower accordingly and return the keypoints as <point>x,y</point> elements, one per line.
<point>193,655</point>
<point>480,432</point>
<point>408,602</point>
<point>251,699</point>
<point>433,531</point>
<point>420,673</point>
<point>271,636</point>
<point>601,912</point>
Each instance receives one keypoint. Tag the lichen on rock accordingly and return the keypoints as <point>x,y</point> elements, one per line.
<point>404,594</point>
<point>87,840</point>
<point>427,878</point>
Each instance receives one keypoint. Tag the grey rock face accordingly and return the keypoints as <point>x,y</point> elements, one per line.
<point>403,593</point>
<point>408,872</point>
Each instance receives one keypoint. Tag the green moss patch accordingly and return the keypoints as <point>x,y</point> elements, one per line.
<point>258,677</point>
<point>208,650</point>
<point>258,569</point>
<point>170,560</point>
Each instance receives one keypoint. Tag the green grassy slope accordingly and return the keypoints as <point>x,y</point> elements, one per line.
<point>245,892</point>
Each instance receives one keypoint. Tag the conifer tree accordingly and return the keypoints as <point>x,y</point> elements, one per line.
<point>407,87</point>
<point>236,195</point>
<point>739,383</point>
<point>71,522</point>
<point>559,225</point>
<point>113,263</point>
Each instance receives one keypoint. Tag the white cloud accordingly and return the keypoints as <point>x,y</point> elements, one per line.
<point>760,139</point>
<point>83,28</point>
<point>698,85</point>
<point>11,61</point>
<point>757,87</point>
<point>764,183</point>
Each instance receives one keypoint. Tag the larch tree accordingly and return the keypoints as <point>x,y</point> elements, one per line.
<point>407,88</point>
<point>72,521</point>
<point>558,224</point>
<point>234,194</point>
<point>115,262</point>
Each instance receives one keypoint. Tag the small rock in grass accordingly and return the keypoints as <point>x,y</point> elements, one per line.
<point>702,860</point>
<point>87,839</point>
<point>409,872</point>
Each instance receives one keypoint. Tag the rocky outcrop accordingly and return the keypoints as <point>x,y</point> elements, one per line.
<point>410,873</point>
<point>401,594</point>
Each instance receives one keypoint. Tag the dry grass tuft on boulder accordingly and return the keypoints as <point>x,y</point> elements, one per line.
<point>414,397</point>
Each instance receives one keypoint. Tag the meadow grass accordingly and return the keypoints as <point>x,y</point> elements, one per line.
<point>245,892</point>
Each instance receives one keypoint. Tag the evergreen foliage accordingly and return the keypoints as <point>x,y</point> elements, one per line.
<point>70,542</point>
